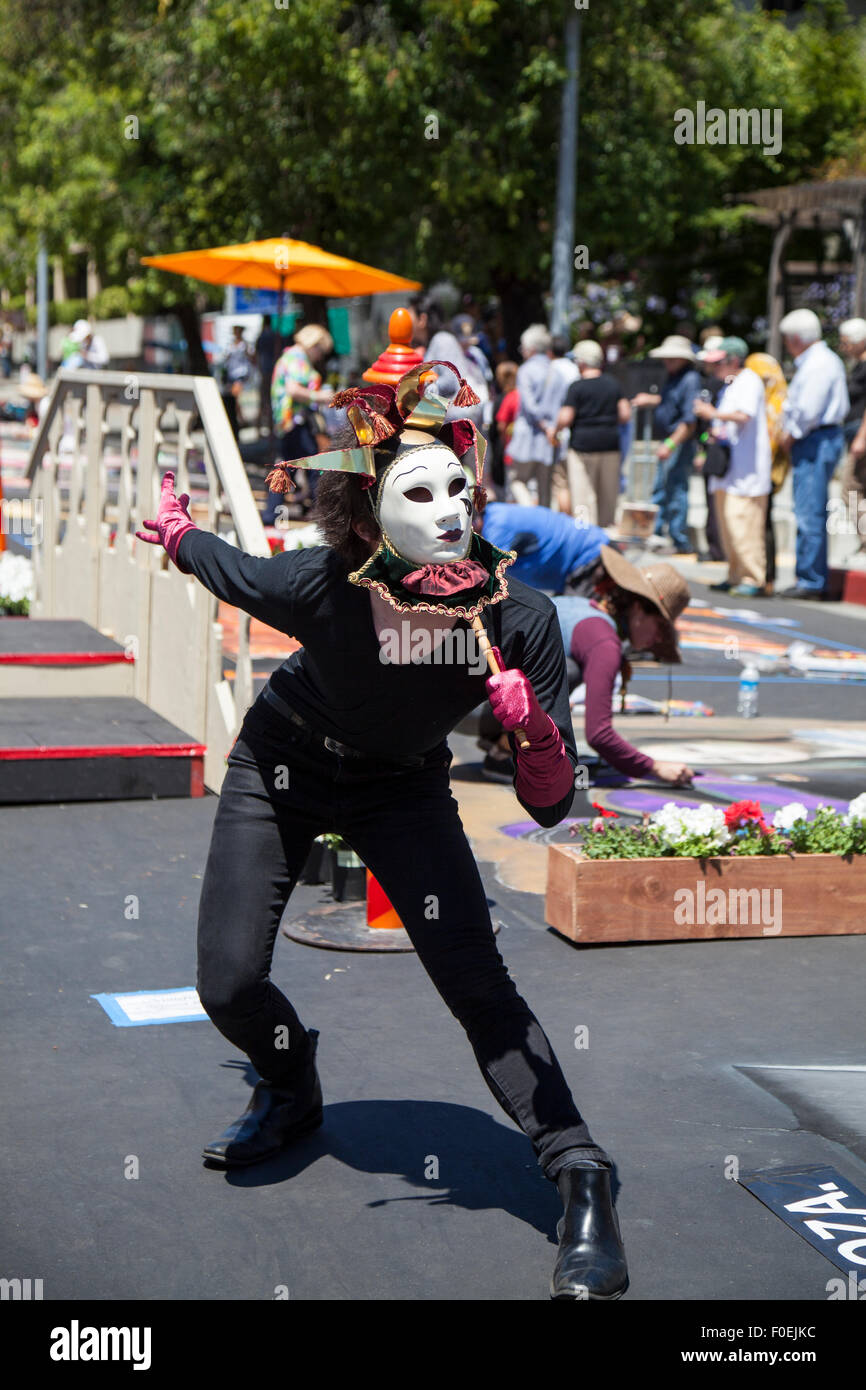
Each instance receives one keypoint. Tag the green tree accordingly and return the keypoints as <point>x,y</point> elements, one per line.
<point>420,136</point>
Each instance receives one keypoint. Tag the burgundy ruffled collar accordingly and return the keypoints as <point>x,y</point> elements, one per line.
<point>450,578</point>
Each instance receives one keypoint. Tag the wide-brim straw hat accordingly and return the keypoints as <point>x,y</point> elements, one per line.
<point>33,389</point>
<point>676,346</point>
<point>662,584</point>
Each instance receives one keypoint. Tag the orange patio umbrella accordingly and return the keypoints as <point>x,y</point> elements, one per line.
<point>281,263</point>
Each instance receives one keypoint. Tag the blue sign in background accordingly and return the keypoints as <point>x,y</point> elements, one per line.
<point>250,301</point>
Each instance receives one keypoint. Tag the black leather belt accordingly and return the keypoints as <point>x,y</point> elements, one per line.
<point>332,744</point>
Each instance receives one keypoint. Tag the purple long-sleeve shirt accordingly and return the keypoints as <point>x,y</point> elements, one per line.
<point>597,650</point>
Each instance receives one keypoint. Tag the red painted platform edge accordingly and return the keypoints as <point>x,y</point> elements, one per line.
<point>855,587</point>
<point>847,586</point>
<point>127,750</point>
<point>63,658</point>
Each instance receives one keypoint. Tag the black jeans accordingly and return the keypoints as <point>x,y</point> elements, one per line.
<point>403,822</point>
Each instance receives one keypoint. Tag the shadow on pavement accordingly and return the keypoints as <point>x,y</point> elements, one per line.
<point>387,1137</point>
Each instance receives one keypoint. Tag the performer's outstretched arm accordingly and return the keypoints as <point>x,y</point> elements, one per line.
<point>263,586</point>
<point>536,700</point>
<point>260,585</point>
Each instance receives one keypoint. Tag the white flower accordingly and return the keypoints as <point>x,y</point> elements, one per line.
<point>16,577</point>
<point>678,823</point>
<point>857,808</point>
<point>787,816</point>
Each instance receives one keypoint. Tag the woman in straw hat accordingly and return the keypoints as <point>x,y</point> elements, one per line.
<point>358,719</point>
<point>35,392</point>
<point>630,607</point>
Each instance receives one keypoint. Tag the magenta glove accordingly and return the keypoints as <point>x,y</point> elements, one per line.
<point>544,771</point>
<point>172,521</point>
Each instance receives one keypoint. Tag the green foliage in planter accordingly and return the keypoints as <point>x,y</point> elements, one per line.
<point>14,608</point>
<point>740,832</point>
<point>622,842</point>
<point>753,842</point>
<point>828,833</point>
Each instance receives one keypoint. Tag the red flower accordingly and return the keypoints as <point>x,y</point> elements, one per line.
<point>745,813</point>
<point>608,815</point>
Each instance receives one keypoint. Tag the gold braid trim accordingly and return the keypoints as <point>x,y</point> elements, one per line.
<point>357,577</point>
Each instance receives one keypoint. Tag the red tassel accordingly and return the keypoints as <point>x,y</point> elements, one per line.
<point>344,397</point>
<point>479,498</point>
<point>279,479</point>
<point>382,427</point>
<point>466,396</point>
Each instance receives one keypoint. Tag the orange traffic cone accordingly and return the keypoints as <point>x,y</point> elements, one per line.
<point>380,913</point>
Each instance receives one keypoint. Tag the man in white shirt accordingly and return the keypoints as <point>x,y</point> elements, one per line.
<point>740,497</point>
<point>816,405</point>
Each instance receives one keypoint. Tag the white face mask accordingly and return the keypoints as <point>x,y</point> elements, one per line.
<point>425,509</point>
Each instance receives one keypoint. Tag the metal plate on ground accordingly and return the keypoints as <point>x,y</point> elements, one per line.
<point>343,927</point>
<point>819,1204</point>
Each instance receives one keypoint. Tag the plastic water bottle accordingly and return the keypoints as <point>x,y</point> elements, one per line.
<point>747,703</point>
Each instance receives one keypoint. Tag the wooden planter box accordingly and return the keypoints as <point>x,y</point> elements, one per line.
<point>702,899</point>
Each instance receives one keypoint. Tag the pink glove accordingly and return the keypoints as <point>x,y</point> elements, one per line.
<point>544,771</point>
<point>172,521</point>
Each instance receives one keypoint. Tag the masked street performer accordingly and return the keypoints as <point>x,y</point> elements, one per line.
<point>360,724</point>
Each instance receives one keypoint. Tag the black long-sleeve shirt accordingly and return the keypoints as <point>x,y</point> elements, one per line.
<point>338,681</point>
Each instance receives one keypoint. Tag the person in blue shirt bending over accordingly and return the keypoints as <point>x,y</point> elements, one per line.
<point>551,547</point>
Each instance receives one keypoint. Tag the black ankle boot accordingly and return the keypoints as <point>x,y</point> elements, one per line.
<point>591,1261</point>
<point>274,1116</point>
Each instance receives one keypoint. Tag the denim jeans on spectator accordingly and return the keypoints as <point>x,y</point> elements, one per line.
<point>814,461</point>
<point>671,494</point>
<point>404,824</point>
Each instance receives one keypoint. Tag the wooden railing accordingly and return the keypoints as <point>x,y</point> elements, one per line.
<point>96,469</point>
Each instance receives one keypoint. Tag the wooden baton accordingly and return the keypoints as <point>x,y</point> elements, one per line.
<point>495,668</point>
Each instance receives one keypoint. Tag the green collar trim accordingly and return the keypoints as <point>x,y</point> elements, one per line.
<point>385,570</point>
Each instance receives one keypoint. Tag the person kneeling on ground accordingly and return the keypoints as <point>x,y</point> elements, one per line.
<point>633,606</point>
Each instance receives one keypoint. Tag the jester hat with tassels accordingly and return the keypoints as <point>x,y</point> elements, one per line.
<point>380,413</point>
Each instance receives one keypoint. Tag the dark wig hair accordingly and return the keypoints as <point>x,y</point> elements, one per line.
<point>341,499</point>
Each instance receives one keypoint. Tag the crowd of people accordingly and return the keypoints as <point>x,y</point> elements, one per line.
<point>558,425</point>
